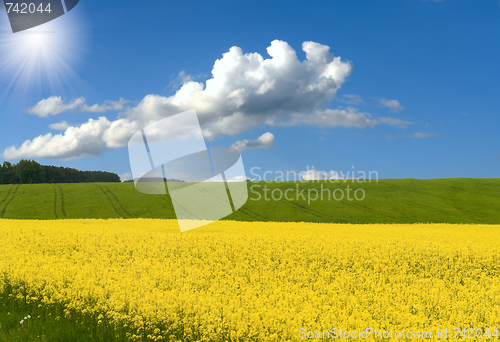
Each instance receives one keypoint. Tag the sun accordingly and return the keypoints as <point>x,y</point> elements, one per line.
<point>38,39</point>
<point>38,62</point>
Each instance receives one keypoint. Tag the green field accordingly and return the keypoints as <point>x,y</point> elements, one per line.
<point>386,201</point>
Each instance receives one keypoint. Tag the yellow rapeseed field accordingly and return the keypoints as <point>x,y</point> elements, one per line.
<point>259,281</point>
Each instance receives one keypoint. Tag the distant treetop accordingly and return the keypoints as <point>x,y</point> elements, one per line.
<point>31,172</point>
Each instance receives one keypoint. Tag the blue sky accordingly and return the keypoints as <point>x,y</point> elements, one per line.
<point>419,99</point>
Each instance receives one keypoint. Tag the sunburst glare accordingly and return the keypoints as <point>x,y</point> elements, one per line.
<point>40,61</point>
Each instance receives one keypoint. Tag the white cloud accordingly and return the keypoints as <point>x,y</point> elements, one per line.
<point>60,126</point>
<point>238,179</point>
<point>119,132</point>
<point>76,142</point>
<point>418,135</point>
<point>245,91</point>
<point>329,118</point>
<point>55,105</point>
<point>266,140</point>
<point>422,135</point>
<point>320,175</point>
<point>107,105</point>
<point>219,179</point>
<point>353,99</point>
<point>125,176</point>
<point>394,122</point>
<point>393,105</point>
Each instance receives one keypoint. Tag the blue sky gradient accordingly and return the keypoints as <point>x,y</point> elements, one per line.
<point>437,59</point>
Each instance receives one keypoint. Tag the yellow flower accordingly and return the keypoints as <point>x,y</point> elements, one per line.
<point>257,281</point>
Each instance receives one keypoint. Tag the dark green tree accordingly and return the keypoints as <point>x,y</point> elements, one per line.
<point>54,174</point>
<point>30,172</point>
<point>9,173</point>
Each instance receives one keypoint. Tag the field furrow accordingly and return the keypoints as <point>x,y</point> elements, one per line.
<point>113,201</point>
<point>386,201</point>
<point>63,208</point>
<point>55,201</point>
<point>8,200</point>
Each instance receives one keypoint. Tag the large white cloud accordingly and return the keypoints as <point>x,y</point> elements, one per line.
<point>245,91</point>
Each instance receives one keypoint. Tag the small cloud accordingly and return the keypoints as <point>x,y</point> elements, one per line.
<point>219,179</point>
<point>60,126</point>
<point>125,176</point>
<point>394,122</point>
<point>419,135</point>
<point>180,79</point>
<point>393,105</point>
<point>264,141</point>
<point>55,105</point>
<point>107,105</point>
<point>314,174</point>
<point>422,135</point>
<point>237,179</point>
<point>353,99</point>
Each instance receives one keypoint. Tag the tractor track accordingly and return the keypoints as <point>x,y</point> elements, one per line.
<point>8,193</point>
<point>9,201</point>
<point>117,201</point>
<point>63,206</point>
<point>116,207</point>
<point>59,195</point>
<point>55,201</point>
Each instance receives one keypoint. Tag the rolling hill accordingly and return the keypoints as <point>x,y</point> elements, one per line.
<point>388,201</point>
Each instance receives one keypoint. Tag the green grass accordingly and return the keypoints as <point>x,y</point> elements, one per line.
<point>51,323</point>
<point>387,201</point>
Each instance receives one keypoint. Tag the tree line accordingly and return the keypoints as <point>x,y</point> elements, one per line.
<point>32,172</point>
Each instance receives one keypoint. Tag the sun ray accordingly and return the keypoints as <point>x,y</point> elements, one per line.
<point>39,62</point>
